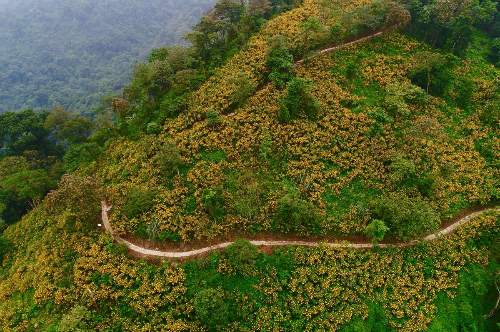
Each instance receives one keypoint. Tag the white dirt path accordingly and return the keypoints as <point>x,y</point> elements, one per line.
<point>331,49</point>
<point>172,254</point>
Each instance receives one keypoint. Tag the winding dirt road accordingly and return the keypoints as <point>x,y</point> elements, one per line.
<point>171,254</point>
<point>331,49</point>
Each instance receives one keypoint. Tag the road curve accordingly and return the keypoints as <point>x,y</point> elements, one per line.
<point>172,254</point>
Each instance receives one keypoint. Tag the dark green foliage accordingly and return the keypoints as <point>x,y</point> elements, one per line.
<point>399,95</point>
<point>380,118</point>
<point>213,118</point>
<point>241,256</point>
<point>13,208</point>
<point>69,127</point>
<point>168,159</point>
<point>213,201</point>
<point>31,185</point>
<point>279,61</point>
<point>265,144</point>
<point>25,131</point>
<point>5,247</point>
<point>369,17</point>
<point>336,33</point>
<point>351,71</point>
<point>79,155</point>
<point>406,216</point>
<point>401,168</point>
<point>160,85</point>
<point>283,113</point>
<point>494,55</point>
<point>211,309</point>
<point>169,236</point>
<point>294,214</point>
<point>465,89</point>
<point>223,30</point>
<point>138,202</point>
<point>245,89</point>
<point>29,162</point>
<point>116,248</point>
<point>376,229</point>
<point>71,54</point>
<point>472,301</point>
<point>299,102</point>
<point>425,185</point>
<point>3,225</point>
<point>451,25</point>
<point>490,114</point>
<point>309,29</point>
<point>375,322</point>
<point>433,72</point>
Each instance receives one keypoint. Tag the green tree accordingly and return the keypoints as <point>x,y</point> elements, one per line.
<point>24,181</point>
<point>213,118</point>
<point>376,229</point>
<point>80,195</point>
<point>168,159</point>
<point>241,255</point>
<point>260,8</point>
<point>213,201</point>
<point>490,114</point>
<point>401,168</point>
<point>279,61</point>
<point>310,30</point>
<point>299,102</point>
<point>380,119</point>
<point>294,214</point>
<point>30,185</point>
<point>426,62</point>
<point>67,126</point>
<point>211,308</point>
<point>244,89</point>
<point>138,202</point>
<point>405,216</point>
<point>397,16</point>
<point>80,155</point>
<point>25,131</point>
<point>398,95</point>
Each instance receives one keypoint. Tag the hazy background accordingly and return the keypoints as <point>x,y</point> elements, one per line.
<point>71,52</point>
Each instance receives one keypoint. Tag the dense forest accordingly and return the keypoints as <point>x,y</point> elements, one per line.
<point>72,53</point>
<point>317,120</point>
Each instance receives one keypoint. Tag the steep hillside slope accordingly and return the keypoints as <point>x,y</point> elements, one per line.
<point>386,136</point>
<point>360,139</point>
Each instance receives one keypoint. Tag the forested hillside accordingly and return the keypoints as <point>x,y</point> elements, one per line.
<point>315,120</point>
<point>71,53</point>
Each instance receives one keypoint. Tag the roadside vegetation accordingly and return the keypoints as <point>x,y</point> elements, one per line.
<point>385,138</point>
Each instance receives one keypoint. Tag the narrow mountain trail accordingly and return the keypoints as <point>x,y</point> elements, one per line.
<point>320,52</point>
<point>176,254</point>
<point>331,49</point>
<point>172,254</point>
